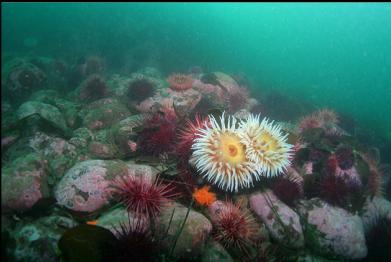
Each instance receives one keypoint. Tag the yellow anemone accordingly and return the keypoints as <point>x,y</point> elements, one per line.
<point>221,156</point>
<point>265,145</point>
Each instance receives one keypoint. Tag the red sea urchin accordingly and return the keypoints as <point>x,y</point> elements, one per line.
<point>376,172</point>
<point>159,133</point>
<point>325,119</point>
<point>334,190</point>
<point>288,190</point>
<point>233,227</point>
<point>180,82</point>
<point>140,89</point>
<point>237,100</point>
<point>187,134</point>
<point>345,157</point>
<point>135,241</point>
<point>141,195</point>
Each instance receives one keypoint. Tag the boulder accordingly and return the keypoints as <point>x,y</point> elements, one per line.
<point>191,241</point>
<point>332,230</point>
<point>86,187</point>
<point>282,222</point>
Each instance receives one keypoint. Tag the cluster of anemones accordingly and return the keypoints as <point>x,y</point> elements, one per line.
<point>231,153</point>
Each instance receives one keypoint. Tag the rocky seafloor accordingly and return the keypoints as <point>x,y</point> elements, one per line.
<point>70,131</point>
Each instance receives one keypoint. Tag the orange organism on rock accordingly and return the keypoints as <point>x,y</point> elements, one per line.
<point>203,196</point>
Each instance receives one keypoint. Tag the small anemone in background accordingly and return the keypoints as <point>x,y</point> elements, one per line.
<point>140,89</point>
<point>180,82</point>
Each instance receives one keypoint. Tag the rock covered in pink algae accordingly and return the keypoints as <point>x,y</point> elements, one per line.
<point>23,183</point>
<point>86,187</point>
<point>339,232</point>
<point>61,153</point>
<point>185,101</point>
<point>103,113</point>
<point>282,222</point>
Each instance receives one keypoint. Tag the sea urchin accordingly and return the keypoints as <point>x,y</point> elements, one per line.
<point>187,134</point>
<point>233,227</point>
<point>141,195</point>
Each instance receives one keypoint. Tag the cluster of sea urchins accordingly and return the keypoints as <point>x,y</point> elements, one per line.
<point>231,154</point>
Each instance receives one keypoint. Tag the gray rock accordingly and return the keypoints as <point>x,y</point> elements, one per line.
<point>23,183</point>
<point>191,241</point>
<point>37,241</point>
<point>113,219</point>
<point>215,252</point>
<point>47,112</point>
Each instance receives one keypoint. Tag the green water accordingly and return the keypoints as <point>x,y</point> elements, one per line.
<point>331,55</point>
